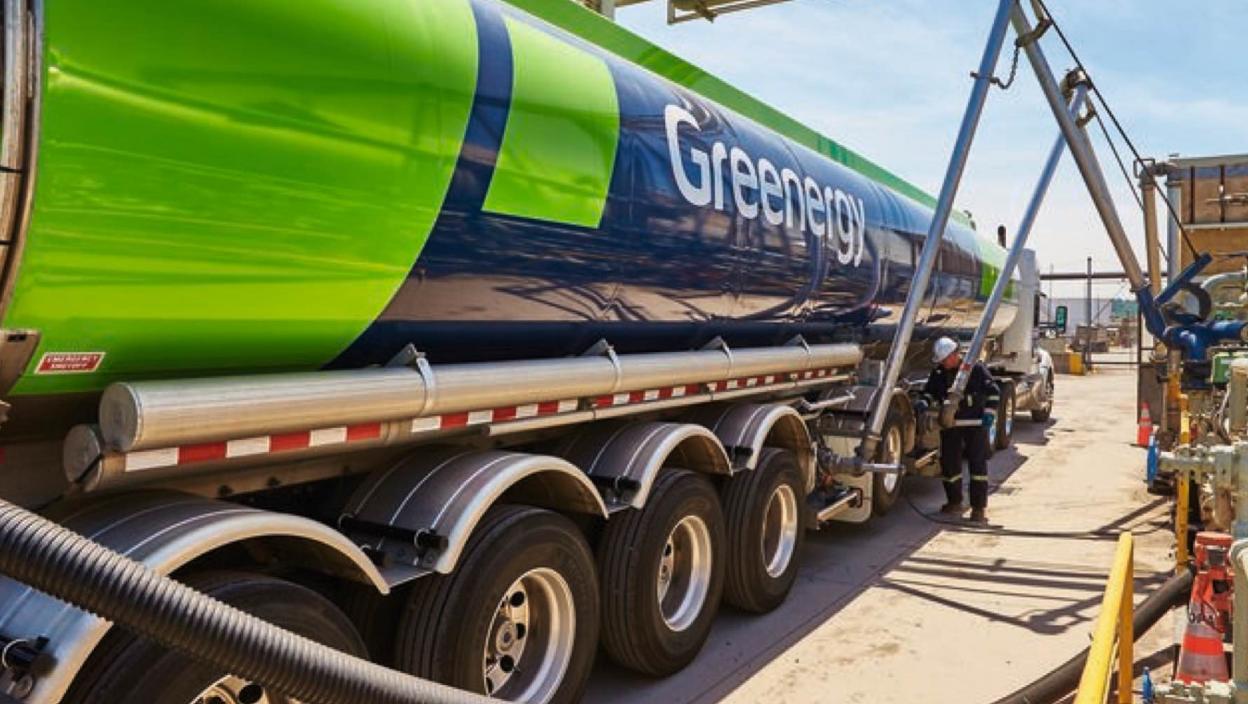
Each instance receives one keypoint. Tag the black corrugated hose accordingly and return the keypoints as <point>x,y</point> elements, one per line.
<point>58,561</point>
<point>1065,678</point>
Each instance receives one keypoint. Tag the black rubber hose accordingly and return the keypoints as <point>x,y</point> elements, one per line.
<point>1065,678</point>
<point>58,561</point>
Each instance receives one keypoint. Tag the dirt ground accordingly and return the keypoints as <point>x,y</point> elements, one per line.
<point>906,609</point>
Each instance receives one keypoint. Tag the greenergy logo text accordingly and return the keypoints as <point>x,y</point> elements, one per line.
<point>759,188</point>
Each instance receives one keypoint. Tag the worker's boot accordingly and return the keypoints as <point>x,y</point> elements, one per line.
<point>979,515</point>
<point>953,509</point>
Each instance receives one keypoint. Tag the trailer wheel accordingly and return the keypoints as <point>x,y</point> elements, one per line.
<point>1041,414</point>
<point>127,668</point>
<point>886,488</point>
<point>517,619</point>
<point>1005,416</point>
<point>662,573</point>
<point>762,514</point>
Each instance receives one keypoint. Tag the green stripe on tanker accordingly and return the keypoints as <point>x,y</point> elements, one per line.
<point>992,260</point>
<point>572,17</point>
<point>214,202</point>
<point>559,146</point>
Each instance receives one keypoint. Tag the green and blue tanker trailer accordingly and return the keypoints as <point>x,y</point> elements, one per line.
<point>463,334</point>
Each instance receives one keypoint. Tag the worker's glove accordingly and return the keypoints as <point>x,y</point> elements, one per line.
<point>989,419</point>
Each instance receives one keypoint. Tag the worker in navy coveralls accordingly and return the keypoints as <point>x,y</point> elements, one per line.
<point>968,438</point>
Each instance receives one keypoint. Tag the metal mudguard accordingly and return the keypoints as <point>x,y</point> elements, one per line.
<point>165,531</point>
<point>745,428</point>
<point>626,458</point>
<point>420,512</point>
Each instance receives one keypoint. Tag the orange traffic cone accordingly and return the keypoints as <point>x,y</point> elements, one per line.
<point>1201,658</point>
<point>1144,432</point>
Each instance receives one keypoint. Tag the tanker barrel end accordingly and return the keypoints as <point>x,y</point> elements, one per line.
<point>80,455</point>
<point>121,423</point>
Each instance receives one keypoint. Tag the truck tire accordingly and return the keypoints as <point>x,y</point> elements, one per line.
<point>1005,416</point>
<point>1041,414</point>
<point>127,668</point>
<point>886,488</point>
<point>662,573</point>
<point>762,511</point>
<point>375,615</point>
<point>517,619</point>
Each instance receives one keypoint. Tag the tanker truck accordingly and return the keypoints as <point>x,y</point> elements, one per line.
<point>465,336</point>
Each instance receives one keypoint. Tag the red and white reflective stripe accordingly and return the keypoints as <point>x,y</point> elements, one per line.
<point>343,435</point>
<point>450,421</point>
<point>245,447</point>
<point>647,395</point>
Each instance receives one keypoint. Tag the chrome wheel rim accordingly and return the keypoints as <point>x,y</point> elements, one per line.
<point>892,455</point>
<point>236,690</point>
<point>992,434</point>
<point>530,640</point>
<point>779,530</point>
<point>684,576</point>
<point>1009,416</point>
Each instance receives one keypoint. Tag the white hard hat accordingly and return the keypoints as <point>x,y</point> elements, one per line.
<point>942,349</point>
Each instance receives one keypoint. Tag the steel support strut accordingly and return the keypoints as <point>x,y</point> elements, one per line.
<point>1152,246</point>
<point>1090,169</point>
<point>936,232</point>
<point>1011,261</point>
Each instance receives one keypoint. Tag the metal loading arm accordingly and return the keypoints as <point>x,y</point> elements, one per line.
<point>1011,262</point>
<point>936,231</point>
<point>1193,338</point>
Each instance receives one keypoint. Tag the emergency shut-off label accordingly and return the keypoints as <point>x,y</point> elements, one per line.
<point>69,362</point>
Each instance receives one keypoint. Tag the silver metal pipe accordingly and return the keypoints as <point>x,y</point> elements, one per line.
<point>1217,281</point>
<point>842,505</point>
<point>89,465</point>
<point>880,468</point>
<point>940,220</point>
<point>1152,244</point>
<point>1015,253</point>
<point>1084,155</point>
<point>1173,246</point>
<point>155,414</point>
<point>1239,622</point>
<point>807,407</point>
<point>1237,399</point>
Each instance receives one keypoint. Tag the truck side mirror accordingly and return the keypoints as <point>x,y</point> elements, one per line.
<point>1059,320</point>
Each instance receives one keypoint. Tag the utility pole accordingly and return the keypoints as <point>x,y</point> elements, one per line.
<point>1087,330</point>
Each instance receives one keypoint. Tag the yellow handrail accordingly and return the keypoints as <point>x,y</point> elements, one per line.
<point>1113,622</point>
<point>1182,488</point>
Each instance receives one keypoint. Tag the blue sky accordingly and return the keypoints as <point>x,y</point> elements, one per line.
<point>890,80</point>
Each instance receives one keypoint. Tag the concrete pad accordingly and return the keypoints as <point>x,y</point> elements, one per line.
<point>914,607</point>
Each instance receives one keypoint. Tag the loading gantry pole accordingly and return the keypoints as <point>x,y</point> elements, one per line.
<point>958,390</point>
<point>936,231</point>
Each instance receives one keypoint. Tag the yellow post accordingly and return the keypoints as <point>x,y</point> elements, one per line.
<point>1094,684</point>
<point>1181,500</point>
<point>1183,497</point>
<point>1126,631</point>
<point>1074,362</point>
<point>1185,421</point>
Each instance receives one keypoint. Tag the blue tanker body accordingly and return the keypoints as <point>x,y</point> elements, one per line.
<point>713,225</point>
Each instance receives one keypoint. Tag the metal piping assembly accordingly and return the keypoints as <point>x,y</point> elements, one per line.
<point>151,414</point>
